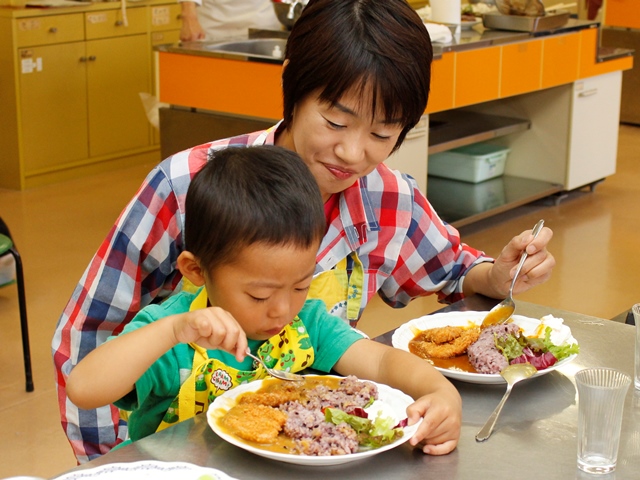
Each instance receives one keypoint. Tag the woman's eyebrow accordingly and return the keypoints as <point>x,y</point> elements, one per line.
<point>348,111</point>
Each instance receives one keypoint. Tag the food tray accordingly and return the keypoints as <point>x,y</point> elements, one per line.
<point>472,163</point>
<point>521,23</point>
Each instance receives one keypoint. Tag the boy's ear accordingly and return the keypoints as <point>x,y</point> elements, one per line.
<point>190,268</point>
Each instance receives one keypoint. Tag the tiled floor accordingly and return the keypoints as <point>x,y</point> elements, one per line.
<point>57,229</point>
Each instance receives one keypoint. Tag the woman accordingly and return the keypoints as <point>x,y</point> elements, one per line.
<point>355,81</point>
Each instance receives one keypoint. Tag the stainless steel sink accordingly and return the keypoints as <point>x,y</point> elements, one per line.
<point>263,48</point>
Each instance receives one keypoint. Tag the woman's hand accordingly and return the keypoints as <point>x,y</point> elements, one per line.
<point>494,279</point>
<point>211,328</point>
<point>441,413</point>
<point>536,269</point>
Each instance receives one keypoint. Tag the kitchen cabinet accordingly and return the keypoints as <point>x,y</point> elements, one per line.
<point>117,120</point>
<point>53,105</point>
<point>593,144</point>
<point>70,100</point>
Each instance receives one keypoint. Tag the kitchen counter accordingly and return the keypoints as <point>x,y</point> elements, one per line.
<point>474,38</point>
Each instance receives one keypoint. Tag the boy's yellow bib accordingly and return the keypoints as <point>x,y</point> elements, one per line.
<point>290,350</point>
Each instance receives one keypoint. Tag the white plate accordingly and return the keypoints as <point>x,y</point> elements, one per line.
<point>148,470</point>
<point>469,24</point>
<point>391,402</point>
<point>405,333</point>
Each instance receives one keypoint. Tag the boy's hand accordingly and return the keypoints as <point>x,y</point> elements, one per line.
<point>211,328</point>
<point>441,413</point>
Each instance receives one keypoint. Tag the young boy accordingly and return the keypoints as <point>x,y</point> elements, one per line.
<point>253,224</point>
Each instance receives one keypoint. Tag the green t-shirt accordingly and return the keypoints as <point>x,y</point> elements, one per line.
<point>330,337</point>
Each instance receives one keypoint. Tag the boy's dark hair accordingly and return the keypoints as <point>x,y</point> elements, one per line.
<point>336,45</point>
<point>245,195</point>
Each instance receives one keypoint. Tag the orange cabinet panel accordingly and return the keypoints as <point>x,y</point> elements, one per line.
<point>589,66</point>
<point>442,81</point>
<point>520,71</point>
<point>222,85</point>
<point>560,59</point>
<point>622,13</point>
<point>477,76</point>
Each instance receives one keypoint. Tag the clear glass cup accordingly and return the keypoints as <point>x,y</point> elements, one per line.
<point>601,395</point>
<point>636,316</point>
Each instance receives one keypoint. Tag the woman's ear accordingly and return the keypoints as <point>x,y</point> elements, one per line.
<point>190,268</point>
<point>284,65</point>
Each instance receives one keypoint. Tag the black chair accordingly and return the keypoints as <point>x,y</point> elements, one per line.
<point>625,317</point>
<point>7,248</point>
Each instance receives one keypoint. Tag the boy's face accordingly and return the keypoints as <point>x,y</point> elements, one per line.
<point>264,288</point>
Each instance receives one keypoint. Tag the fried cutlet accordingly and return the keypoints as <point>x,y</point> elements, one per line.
<point>256,423</point>
<point>456,341</point>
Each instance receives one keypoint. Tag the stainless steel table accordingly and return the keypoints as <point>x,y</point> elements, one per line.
<point>535,437</point>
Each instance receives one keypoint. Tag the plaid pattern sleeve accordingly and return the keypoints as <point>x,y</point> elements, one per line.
<point>134,266</point>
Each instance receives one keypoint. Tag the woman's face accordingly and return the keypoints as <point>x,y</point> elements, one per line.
<point>339,143</point>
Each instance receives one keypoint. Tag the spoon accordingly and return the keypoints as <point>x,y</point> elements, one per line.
<point>512,374</point>
<point>281,374</point>
<point>503,311</point>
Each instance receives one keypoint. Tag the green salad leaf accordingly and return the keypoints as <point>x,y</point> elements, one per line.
<point>371,434</point>
<point>559,351</point>
<point>510,346</point>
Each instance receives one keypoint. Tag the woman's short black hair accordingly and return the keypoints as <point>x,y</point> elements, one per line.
<point>337,45</point>
<point>245,195</point>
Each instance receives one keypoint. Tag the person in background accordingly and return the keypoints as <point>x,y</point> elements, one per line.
<point>249,211</point>
<point>222,19</point>
<point>355,80</point>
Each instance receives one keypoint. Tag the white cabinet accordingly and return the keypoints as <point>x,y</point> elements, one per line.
<point>411,157</point>
<point>593,144</point>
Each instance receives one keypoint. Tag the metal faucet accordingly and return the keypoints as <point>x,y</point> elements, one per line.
<point>293,5</point>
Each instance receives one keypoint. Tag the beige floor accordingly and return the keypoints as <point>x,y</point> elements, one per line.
<point>57,229</point>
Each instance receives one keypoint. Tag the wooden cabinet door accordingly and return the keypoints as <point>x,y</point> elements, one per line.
<point>53,106</point>
<point>117,72</point>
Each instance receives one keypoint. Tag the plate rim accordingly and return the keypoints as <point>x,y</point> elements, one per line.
<point>478,378</point>
<point>311,460</point>
<point>132,466</point>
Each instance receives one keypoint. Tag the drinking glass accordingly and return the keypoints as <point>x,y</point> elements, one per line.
<point>601,394</point>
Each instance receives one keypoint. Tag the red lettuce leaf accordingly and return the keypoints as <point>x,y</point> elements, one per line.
<point>537,359</point>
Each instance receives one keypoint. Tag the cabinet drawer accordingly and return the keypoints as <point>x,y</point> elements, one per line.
<point>442,82</point>
<point>165,17</point>
<point>521,63</point>
<point>110,23</point>
<point>165,37</point>
<point>560,59</point>
<point>49,30</point>
<point>477,76</point>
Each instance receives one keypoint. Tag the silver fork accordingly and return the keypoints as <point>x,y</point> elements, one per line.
<point>281,374</point>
